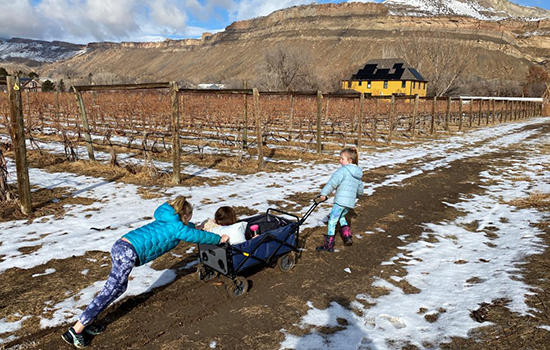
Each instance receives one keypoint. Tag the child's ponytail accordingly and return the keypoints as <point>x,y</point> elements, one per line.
<point>352,154</point>
<point>183,208</point>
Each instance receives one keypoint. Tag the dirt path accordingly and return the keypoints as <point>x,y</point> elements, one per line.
<point>188,314</point>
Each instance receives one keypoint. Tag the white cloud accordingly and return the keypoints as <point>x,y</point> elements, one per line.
<point>254,8</point>
<point>93,20</point>
<point>167,14</point>
<point>19,18</point>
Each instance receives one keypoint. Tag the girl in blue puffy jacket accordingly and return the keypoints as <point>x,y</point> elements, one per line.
<point>136,248</point>
<point>347,182</point>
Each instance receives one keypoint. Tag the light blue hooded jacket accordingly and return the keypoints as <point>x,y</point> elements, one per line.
<point>164,234</point>
<point>347,182</point>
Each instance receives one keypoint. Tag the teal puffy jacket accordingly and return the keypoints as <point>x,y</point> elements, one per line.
<point>164,234</point>
<point>347,182</point>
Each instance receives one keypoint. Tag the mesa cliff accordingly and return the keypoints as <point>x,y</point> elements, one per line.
<point>339,37</point>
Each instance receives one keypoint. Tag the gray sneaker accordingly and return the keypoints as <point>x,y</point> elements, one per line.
<point>94,329</point>
<point>76,339</point>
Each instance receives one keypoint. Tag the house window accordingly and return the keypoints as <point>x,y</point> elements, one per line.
<point>385,84</point>
<point>403,84</point>
<point>349,84</point>
<point>360,82</point>
<point>368,84</point>
<point>414,85</point>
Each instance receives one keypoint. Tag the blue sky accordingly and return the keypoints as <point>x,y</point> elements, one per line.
<point>83,21</point>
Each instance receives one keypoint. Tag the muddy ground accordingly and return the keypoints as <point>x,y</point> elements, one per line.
<point>188,314</point>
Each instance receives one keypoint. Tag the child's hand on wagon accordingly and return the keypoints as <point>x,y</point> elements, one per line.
<point>224,238</point>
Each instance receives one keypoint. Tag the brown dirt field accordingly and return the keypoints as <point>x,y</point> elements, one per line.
<point>188,314</point>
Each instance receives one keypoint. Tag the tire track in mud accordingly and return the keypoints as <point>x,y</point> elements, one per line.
<point>188,314</point>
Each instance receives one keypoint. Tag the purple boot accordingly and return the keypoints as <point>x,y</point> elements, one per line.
<point>328,245</point>
<point>346,235</point>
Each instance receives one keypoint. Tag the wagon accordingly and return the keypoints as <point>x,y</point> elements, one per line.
<point>276,245</point>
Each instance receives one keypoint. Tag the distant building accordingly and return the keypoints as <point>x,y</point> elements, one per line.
<point>30,84</point>
<point>386,77</point>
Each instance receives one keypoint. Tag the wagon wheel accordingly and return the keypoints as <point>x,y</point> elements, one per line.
<point>237,288</point>
<point>205,274</point>
<point>287,262</point>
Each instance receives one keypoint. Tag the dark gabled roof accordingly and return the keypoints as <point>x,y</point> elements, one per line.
<point>388,69</point>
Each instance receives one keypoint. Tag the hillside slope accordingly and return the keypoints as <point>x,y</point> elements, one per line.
<point>339,37</point>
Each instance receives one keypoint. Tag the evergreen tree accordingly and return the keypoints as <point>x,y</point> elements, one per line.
<point>48,86</point>
<point>61,86</point>
<point>3,72</point>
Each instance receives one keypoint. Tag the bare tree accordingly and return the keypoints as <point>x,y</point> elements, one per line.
<point>288,69</point>
<point>438,58</point>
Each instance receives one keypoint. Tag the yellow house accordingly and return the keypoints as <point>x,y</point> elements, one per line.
<point>386,77</point>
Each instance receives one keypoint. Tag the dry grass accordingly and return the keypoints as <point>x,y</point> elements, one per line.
<point>45,202</point>
<point>536,200</point>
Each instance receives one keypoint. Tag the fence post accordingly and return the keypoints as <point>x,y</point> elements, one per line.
<point>493,108</point>
<point>375,121</point>
<point>175,132</point>
<point>85,125</point>
<point>291,118</point>
<point>471,116</point>
<point>448,113</point>
<point>18,138</point>
<point>56,105</point>
<point>392,112</point>
<point>360,122</point>
<point>480,112</point>
<point>488,111</point>
<point>245,116</point>
<point>415,113</point>
<point>319,113</point>
<point>259,140</point>
<point>460,114</point>
<point>432,123</point>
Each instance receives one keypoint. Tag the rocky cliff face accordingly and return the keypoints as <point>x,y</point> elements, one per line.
<point>340,38</point>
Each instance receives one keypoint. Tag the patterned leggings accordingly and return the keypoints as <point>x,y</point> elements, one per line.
<point>338,213</point>
<point>123,257</point>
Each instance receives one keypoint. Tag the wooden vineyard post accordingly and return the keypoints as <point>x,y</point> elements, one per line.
<point>319,113</point>
<point>291,118</point>
<point>471,114</point>
<point>256,97</point>
<point>414,116</point>
<point>360,121</point>
<point>494,110</point>
<point>488,111</point>
<point>392,112</point>
<point>432,122</point>
<point>480,112</point>
<point>460,114</point>
<point>56,105</point>
<point>448,113</point>
<point>18,138</point>
<point>375,121</point>
<point>326,109</point>
<point>175,132</point>
<point>245,116</point>
<point>85,125</point>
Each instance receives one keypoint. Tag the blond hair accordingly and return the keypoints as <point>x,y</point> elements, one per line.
<point>183,208</point>
<point>352,154</point>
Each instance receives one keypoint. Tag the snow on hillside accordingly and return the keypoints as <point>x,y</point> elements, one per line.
<point>39,51</point>
<point>469,8</point>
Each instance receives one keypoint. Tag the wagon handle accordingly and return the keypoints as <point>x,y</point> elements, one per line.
<point>311,209</point>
